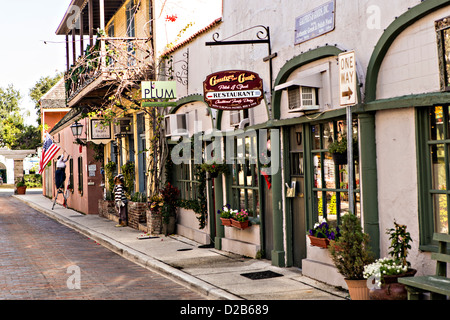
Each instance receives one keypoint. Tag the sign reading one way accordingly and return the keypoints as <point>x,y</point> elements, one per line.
<point>347,79</point>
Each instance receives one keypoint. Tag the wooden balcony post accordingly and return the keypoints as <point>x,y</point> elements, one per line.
<point>91,23</point>
<point>102,27</point>
<point>81,33</point>
<point>102,14</point>
<point>74,49</point>
<point>67,52</point>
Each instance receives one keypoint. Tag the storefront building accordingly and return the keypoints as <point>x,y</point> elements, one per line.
<point>399,125</point>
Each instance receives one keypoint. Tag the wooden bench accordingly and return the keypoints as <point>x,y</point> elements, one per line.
<point>439,285</point>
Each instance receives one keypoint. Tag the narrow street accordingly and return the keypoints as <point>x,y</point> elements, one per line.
<point>42,259</point>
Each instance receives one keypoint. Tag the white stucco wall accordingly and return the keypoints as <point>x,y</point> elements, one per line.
<point>411,65</point>
<point>397,181</point>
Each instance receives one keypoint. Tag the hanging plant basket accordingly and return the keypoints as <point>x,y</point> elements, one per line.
<point>319,242</point>
<point>339,159</point>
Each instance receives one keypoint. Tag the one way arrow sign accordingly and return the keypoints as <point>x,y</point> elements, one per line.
<point>347,79</point>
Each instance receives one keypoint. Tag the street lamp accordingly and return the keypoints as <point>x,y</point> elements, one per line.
<point>77,129</point>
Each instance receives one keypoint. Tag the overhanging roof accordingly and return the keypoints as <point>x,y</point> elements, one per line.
<point>111,7</point>
<point>73,115</point>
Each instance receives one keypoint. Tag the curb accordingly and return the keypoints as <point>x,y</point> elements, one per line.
<point>210,291</point>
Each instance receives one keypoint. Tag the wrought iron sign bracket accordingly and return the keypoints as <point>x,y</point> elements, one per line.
<point>263,37</point>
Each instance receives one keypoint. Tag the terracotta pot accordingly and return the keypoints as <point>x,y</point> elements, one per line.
<point>21,190</point>
<point>391,289</point>
<point>226,222</point>
<point>239,224</point>
<point>358,289</point>
<point>319,242</point>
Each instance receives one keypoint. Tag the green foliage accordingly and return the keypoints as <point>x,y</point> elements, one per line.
<point>14,134</point>
<point>338,146</point>
<point>110,169</point>
<point>139,197</point>
<point>128,174</point>
<point>169,196</point>
<point>400,239</point>
<point>351,252</point>
<point>33,180</point>
<point>215,168</point>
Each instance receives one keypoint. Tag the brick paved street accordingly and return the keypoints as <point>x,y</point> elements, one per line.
<point>36,252</point>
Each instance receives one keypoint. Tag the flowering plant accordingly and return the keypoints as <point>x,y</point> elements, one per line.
<point>383,267</point>
<point>226,212</point>
<point>241,215</point>
<point>156,201</point>
<point>215,168</point>
<point>324,230</point>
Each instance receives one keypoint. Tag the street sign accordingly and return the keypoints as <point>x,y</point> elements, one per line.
<point>348,94</point>
<point>159,89</point>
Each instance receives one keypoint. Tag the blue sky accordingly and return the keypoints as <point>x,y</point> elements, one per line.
<point>24,58</point>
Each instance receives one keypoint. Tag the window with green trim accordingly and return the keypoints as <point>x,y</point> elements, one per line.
<point>186,181</point>
<point>245,184</point>
<point>330,178</point>
<point>434,174</point>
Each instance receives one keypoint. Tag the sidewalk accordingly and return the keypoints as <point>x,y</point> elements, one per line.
<point>213,273</point>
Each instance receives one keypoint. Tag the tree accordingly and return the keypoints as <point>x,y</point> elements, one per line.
<point>14,134</point>
<point>9,102</point>
<point>42,86</point>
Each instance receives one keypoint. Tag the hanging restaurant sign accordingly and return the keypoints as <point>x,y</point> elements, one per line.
<point>233,90</point>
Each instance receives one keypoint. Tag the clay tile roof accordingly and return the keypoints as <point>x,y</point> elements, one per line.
<point>191,38</point>
<point>55,97</point>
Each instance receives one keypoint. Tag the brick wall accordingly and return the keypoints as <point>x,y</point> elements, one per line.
<point>154,222</point>
<point>136,214</point>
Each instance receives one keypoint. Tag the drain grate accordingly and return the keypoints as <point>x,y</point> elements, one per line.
<point>261,275</point>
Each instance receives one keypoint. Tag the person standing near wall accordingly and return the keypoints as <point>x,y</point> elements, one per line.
<point>120,200</point>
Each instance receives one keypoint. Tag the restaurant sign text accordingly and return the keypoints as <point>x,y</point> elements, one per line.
<point>233,90</point>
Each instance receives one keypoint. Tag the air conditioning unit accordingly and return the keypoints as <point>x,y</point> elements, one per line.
<point>176,125</point>
<point>235,118</point>
<point>123,126</point>
<point>302,99</point>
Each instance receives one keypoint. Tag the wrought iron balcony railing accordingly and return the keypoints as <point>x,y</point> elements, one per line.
<point>112,60</point>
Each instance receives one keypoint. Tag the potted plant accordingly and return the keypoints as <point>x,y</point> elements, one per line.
<point>322,233</point>
<point>226,214</point>
<point>353,254</point>
<point>338,150</point>
<point>386,271</point>
<point>239,219</point>
<point>214,169</point>
<point>154,217</point>
<point>21,187</point>
<point>168,210</point>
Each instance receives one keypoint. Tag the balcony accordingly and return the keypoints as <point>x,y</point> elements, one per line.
<point>110,65</point>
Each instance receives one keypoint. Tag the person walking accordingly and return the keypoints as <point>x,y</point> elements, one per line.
<point>60,174</point>
<point>121,200</point>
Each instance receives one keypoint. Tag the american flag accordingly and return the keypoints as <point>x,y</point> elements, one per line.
<point>48,152</point>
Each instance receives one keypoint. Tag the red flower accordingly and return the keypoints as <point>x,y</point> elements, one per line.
<point>171,18</point>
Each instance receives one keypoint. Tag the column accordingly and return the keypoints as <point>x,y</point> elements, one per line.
<point>218,200</point>
<point>278,253</point>
<point>369,185</point>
